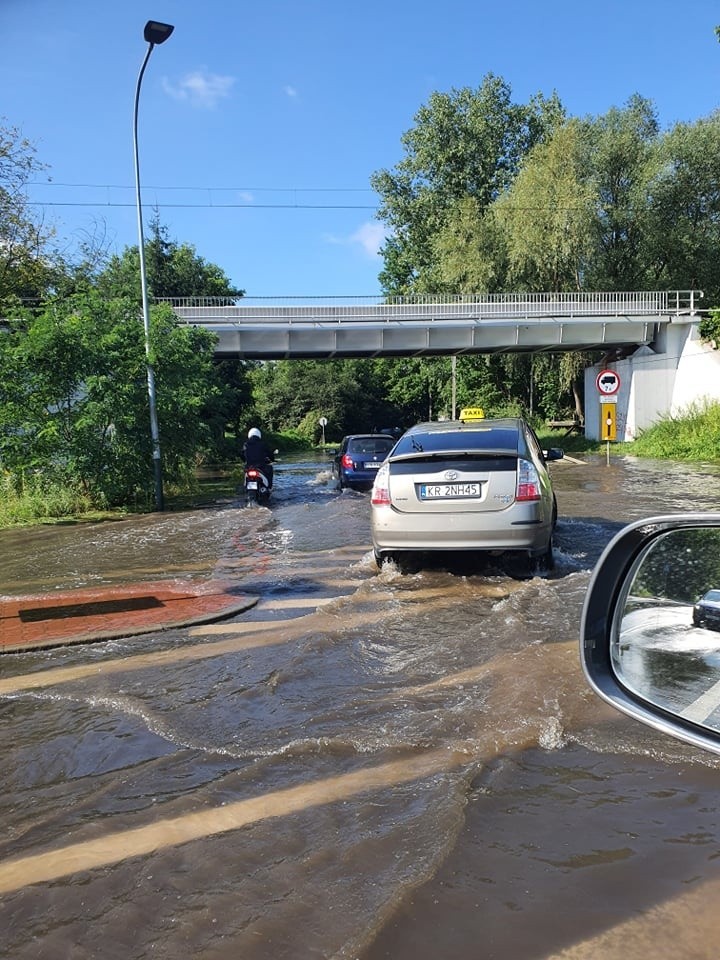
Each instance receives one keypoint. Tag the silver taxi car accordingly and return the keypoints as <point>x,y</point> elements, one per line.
<point>469,484</point>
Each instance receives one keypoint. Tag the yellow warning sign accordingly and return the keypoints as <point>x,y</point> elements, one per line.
<point>608,421</point>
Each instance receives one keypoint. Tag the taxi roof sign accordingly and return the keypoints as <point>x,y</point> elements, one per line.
<point>472,413</point>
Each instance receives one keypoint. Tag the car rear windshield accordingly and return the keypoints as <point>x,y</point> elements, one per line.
<point>371,445</point>
<point>458,440</point>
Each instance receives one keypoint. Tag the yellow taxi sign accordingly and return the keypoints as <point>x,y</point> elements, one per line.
<point>472,413</point>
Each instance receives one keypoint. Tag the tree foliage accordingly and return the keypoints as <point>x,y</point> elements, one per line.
<point>710,328</point>
<point>28,266</point>
<point>490,196</point>
<point>173,270</point>
<point>683,218</point>
<point>350,394</point>
<point>545,217</point>
<point>466,144</point>
<point>74,400</point>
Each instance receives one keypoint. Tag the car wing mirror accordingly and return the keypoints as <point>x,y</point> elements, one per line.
<point>650,630</point>
<point>554,453</point>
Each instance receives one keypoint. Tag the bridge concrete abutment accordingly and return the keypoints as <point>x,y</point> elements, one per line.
<point>656,381</point>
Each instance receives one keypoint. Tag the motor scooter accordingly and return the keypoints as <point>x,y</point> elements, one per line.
<point>256,485</point>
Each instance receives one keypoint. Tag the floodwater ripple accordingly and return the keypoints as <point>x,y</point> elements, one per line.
<point>365,764</point>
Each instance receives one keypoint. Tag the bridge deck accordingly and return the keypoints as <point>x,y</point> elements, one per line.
<point>437,325</point>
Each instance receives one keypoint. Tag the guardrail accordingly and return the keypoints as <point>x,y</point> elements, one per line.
<point>431,308</point>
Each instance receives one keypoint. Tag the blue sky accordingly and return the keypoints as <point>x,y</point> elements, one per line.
<point>261,123</point>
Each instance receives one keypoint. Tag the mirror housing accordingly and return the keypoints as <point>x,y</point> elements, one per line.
<point>637,610</point>
<point>554,453</point>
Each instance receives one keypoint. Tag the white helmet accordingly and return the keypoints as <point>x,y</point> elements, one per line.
<point>254,432</point>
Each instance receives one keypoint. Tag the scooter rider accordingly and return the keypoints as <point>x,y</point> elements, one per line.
<point>256,453</point>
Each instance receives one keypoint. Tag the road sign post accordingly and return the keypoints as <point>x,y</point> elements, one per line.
<point>608,384</point>
<point>323,423</point>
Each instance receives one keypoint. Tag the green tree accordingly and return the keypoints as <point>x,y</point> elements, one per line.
<point>694,553</point>
<point>574,210</point>
<point>419,386</point>
<point>619,154</point>
<point>173,270</point>
<point>231,407</point>
<point>465,144</point>
<point>710,328</point>
<point>28,267</point>
<point>546,216</point>
<point>683,210</point>
<point>177,270</point>
<point>73,396</point>
<point>470,251</point>
<point>294,394</point>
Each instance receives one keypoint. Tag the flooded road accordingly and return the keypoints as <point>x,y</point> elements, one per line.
<point>364,765</point>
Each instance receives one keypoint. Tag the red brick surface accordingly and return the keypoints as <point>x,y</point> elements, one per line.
<point>103,613</point>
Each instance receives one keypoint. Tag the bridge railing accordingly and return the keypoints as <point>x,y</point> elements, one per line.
<point>442,307</point>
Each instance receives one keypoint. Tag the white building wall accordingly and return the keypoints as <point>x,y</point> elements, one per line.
<point>654,383</point>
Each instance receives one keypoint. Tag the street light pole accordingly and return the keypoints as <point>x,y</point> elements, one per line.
<point>154,33</point>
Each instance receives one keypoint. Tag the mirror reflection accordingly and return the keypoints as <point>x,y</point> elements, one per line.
<point>667,639</point>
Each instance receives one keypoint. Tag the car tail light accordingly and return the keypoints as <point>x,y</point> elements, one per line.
<point>528,482</point>
<point>347,461</point>
<point>380,495</point>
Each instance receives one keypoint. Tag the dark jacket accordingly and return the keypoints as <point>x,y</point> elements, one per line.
<point>256,453</point>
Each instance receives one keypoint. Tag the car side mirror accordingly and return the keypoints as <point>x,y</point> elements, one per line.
<point>554,453</point>
<point>650,630</point>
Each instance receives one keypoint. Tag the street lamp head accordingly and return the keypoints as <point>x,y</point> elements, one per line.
<point>157,32</point>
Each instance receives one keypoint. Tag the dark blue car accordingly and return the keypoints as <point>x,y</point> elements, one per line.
<point>359,457</point>
<point>706,612</point>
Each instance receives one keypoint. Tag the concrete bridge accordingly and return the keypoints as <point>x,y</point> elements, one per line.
<point>664,367</point>
<point>433,325</point>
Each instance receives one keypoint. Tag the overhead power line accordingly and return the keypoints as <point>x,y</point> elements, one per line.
<point>210,206</point>
<point>124,186</point>
<point>245,203</point>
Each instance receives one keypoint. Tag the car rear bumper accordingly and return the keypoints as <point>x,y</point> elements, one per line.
<point>365,477</point>
<point>392,531</point>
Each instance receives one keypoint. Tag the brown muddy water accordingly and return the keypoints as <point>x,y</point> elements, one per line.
<point>365,765</point>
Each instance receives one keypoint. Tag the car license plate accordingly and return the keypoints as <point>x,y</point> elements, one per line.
<point>448,491</point>
<point>372,466</point>
<point>252,485</point>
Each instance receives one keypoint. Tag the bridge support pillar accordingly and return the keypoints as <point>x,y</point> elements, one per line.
<point>656,382</point>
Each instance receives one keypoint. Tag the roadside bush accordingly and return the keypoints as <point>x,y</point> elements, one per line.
<point>309,428</point>
<point>693,434</point>
<point>710,328</point>
<point>30,498</point>
<point>289,440</point>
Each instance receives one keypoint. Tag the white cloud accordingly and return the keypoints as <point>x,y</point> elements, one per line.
<point>290,91</point>
<point>370,236</point>
<point>200,89</point>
